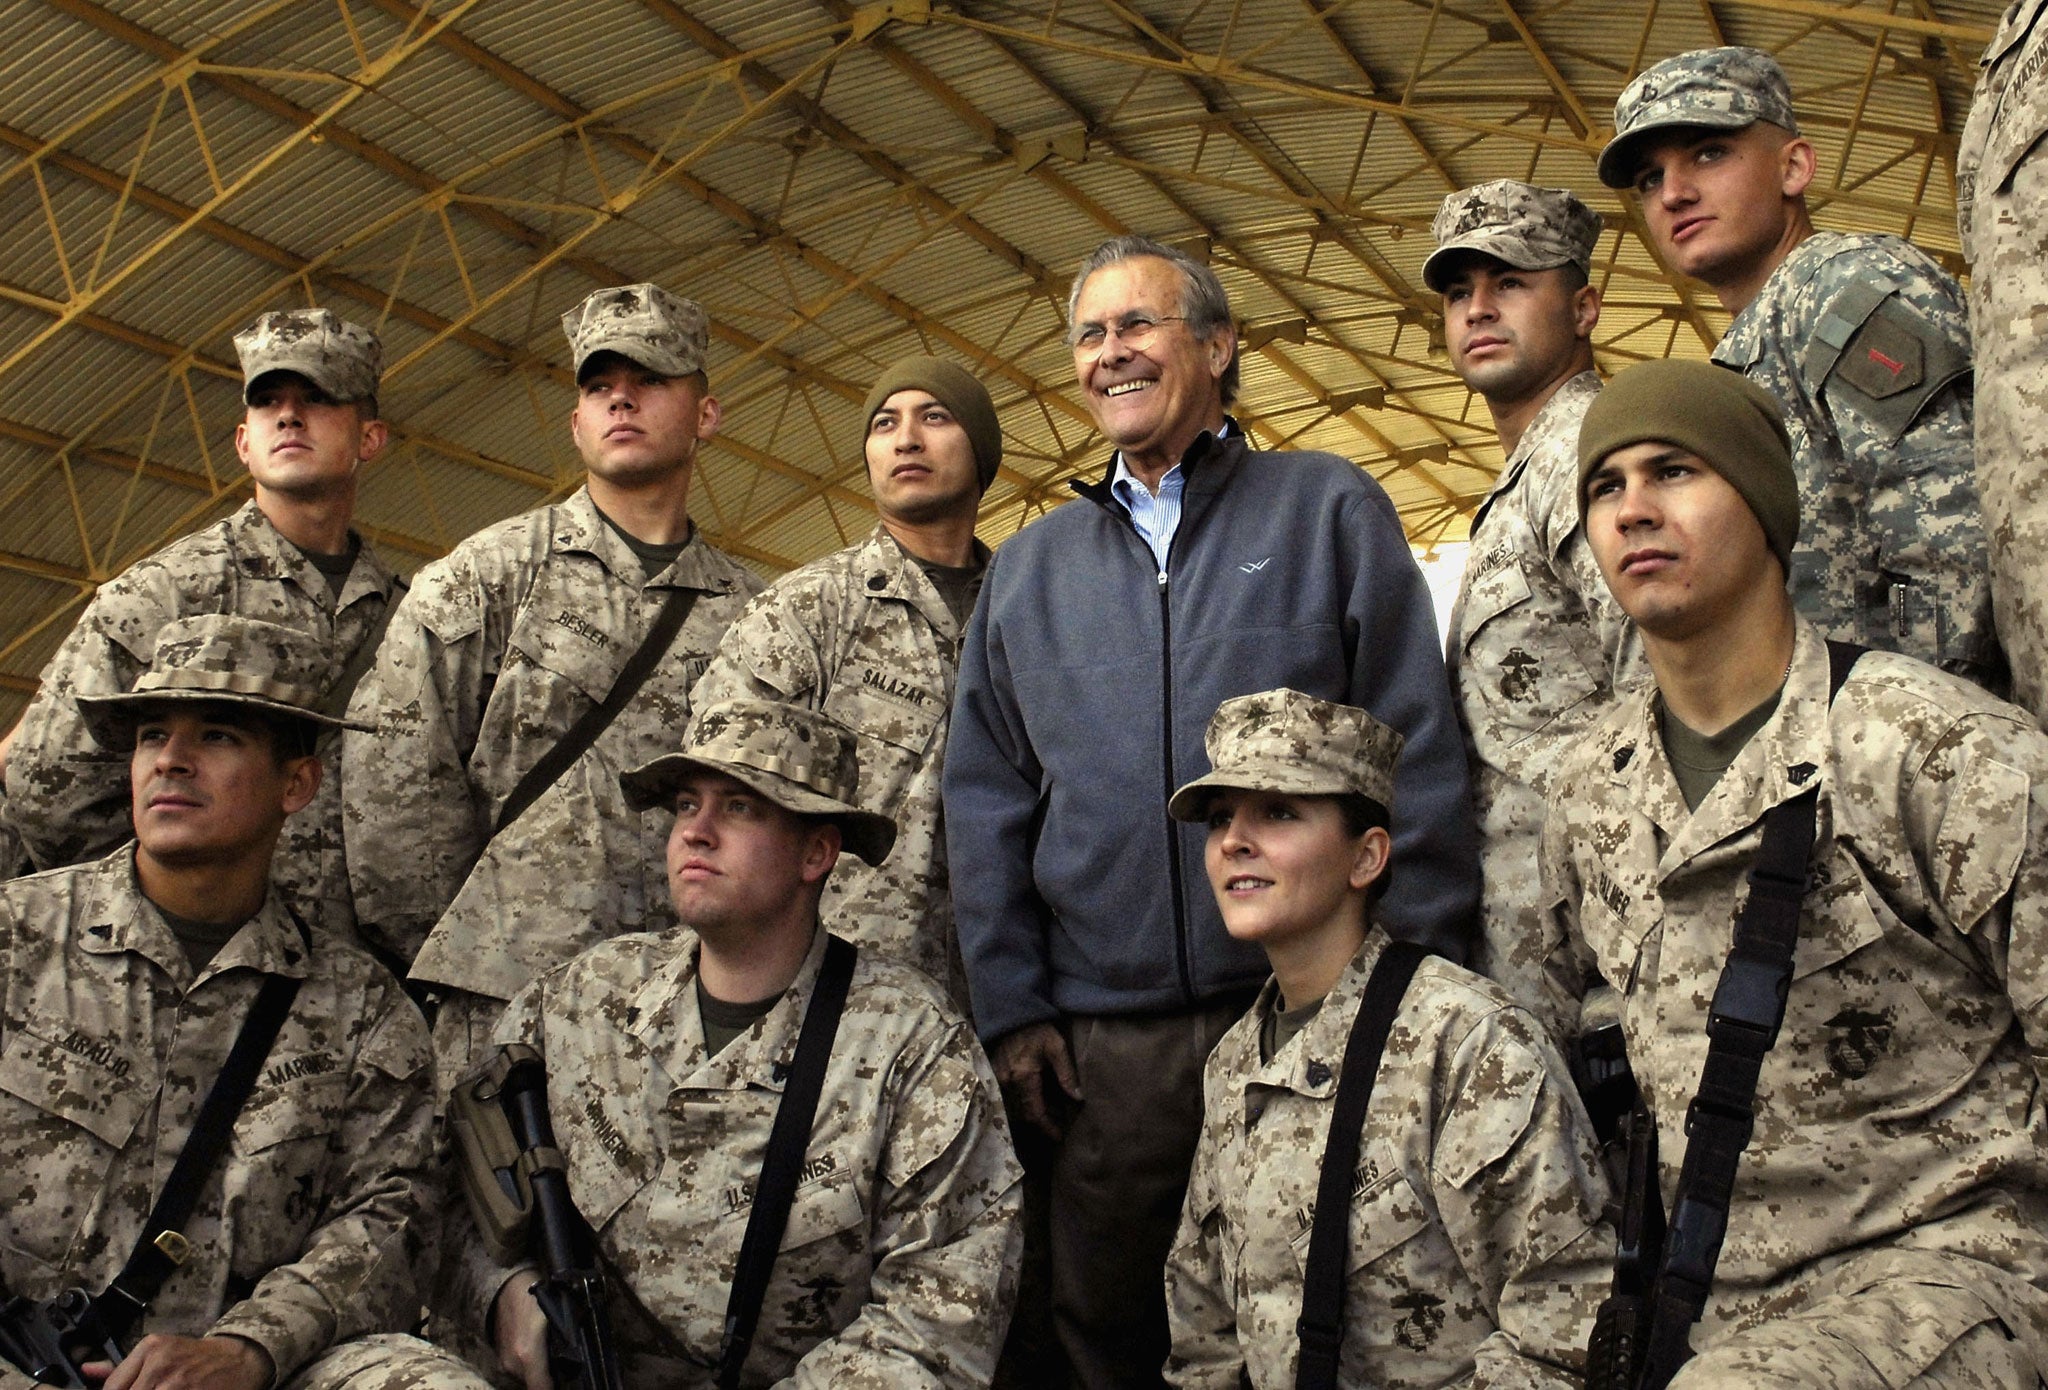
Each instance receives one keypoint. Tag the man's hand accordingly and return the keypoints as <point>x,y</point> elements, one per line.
<point>520,1330</point>
<point>1021,1060</point>
<point>161,1362</point>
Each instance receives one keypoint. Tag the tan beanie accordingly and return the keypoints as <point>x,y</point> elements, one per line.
<point>955,388</point>
<point>1730,422</point>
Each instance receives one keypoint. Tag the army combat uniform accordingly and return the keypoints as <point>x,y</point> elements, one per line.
<point>900,1258</point>
<point>1866,344</point>
<point>68,797</point>
<point>313,1227</point>
<point>496,651</point>
<point>864,635</point>
<point>1892,1206</point>
<point>2002,207</point>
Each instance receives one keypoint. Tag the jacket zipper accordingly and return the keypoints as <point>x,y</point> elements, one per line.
<point>1180,892</point>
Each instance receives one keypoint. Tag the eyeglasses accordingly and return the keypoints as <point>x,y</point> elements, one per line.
<point>1133,330</point>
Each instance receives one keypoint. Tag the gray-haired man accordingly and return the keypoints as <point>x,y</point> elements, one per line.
<point>1107,633</point>
<point>498,652</point>
<point>1537,644</point>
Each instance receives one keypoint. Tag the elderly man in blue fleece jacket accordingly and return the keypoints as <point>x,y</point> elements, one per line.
<point>1198,569</point>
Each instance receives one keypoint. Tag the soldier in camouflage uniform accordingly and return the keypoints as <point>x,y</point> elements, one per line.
<point>123,984</point>
<point>1889,1222</point>
<point>2002,208</point>
<point>1477,1249</point>
<point>666,1055</point>
<point>1536,644</point>
<point>310,381</point>
<point>871,635</point>
<point>500,648</point>
<point>1862,338</point>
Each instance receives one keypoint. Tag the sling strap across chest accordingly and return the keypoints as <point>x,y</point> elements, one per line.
<point>788,1139</point>
<point>579,736</point>
<point>1743,1020</point>
<point>1321,1327</point>
<point>162,1246</point>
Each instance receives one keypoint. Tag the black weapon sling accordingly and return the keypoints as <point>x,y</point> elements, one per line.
<point>1321,1327</point>
<point>162,1246</point>
<point>775,1188</point>
<point>1742,1025</point>
<point>576,740</point>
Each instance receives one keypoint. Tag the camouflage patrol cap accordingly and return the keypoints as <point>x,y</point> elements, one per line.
<point>1526,225</point>
<point>343,359</point>
<point>1719,88</point>
<point>1285,741</point>
<point>801,760</point>
<point>222,658</point>
<point>662,332</point>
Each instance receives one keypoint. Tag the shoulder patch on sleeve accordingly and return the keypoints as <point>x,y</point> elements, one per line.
<point>1892,365</point>
<point>1982,836</point>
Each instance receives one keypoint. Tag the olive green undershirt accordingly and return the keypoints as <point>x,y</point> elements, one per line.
<point>333,568</point>
<point>1697,759</point>
<point>1281,1025</point>
<point>653,558</point>
<point>958,585</point>
<point>724,1020</point>
<point>202,940</point>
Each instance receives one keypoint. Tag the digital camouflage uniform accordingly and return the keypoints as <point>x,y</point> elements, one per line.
<point>1478,1246</point>
<point>2002,207</point>
<point>1536,643</point>
<point>496,652</point>
<point>1895,1194</point>
<point>66,796</point>
<point>900,1259</point>
<point>313,1226</point>
<point>863,635</point>
<point>1891,551</point>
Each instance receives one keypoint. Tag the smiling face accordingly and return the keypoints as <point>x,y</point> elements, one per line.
<point>1151,397</point>
<point>297,442</point>
<point>1679,547</point>
<point>1287,869</point>
<point>1719,202</point>
<point>209,787</point>
<point>636,427</point>
<point>920,460</point>
<point>739,864</point>
<point>1515,333</point>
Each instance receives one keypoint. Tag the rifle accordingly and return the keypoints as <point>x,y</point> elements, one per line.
<point>49,1341</point>
<point>512,1173</point>
<point>1616,1354</point>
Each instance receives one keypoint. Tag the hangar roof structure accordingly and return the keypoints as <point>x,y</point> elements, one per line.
<point>840,184</point>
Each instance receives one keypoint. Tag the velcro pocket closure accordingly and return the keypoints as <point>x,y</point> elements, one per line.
<point>1491,594</point>
<point>1483,1124</point>
<point>1983,833</point>
<point>1386,1213</point>
<point>827,1201</point>
<point>298,1095</point>
<point>89,1082</point>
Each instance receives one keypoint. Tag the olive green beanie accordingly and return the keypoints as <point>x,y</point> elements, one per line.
<point>1731,423</point>
<point>955,388</point>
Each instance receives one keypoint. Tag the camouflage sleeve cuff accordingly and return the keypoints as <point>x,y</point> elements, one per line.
<point>290,1335</point>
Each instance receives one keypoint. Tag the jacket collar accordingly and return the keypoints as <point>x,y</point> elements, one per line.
<point>885,570</point>
<point>265,553</point>
<point>1572,395</point>
<point>579,528</point>
<point>118,919</point>
<point>1785,758</point>
<point>671,1028</point>
<point>1310,1063</point>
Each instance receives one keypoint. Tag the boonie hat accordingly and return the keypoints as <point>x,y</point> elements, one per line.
<point>1285,741</point>
<point>801,760</point>
<point>1719,88</point>
<point>1525,225</point>
<point>343,359</point>
<point>222,658</point>
<point>662,332</point>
